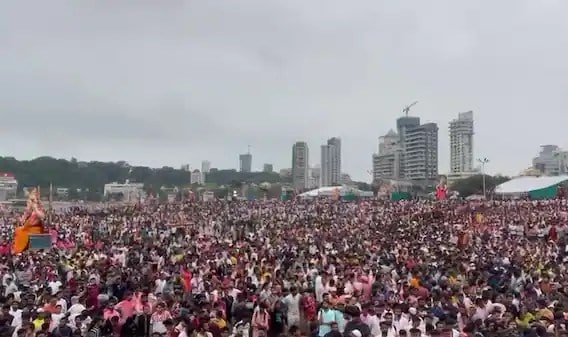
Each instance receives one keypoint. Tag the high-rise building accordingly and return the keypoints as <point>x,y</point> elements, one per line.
<point>300,165</point>
<point>403,124</point>
<point>421,153</point>
<point>461,145</point>
<point>551,161</point>
<point>335,142</point>
<point>205,166</point>
<point>325,171</point>
<point>386,163</point>
<point>331,162</point>
<point>268,168</point>
<point>418,150</point>
<point>245,162</point>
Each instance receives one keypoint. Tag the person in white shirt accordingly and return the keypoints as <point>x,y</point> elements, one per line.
<point>56,317</point>
<point>76,308</point>
<point>55,287</point>
<point>388,330</point>
<point>63,304</point>
<point>10,287</point>
<point>370,318</point>
<point>6,277</point>
<point>320,288</point>
<point>160,284</point>
<point>16,312</point>
<point>292,302</point>
<point>24,318</point>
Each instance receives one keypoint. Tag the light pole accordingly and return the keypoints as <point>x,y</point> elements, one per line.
<point>483,161</point>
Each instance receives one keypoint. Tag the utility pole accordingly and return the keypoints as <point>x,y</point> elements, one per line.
<point>483,161</point>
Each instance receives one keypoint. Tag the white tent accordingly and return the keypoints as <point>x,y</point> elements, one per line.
<point>330,191</point>
<point>526,184</point>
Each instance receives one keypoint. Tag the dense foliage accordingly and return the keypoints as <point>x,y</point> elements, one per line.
<point>91,177</point>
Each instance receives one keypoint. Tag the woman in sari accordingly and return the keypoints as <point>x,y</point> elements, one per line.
<point>33,223</point>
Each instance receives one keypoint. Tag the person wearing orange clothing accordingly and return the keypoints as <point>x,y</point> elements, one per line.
<point>33,223</point>
<point>414,282</point>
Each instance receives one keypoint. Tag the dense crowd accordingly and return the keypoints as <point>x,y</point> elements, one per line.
<point>319,268</point>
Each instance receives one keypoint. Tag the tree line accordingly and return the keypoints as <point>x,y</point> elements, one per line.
<point>90,177</point>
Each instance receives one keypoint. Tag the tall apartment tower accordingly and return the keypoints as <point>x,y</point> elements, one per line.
<point>461,144</point>
<point>418,150</point>
<point>421,153</point>
<point>300,166</point>
<point>245,162</point>
<point>403,125</point>
<point>386,163</point>
<point>205,166</point>
<point>331,162</point>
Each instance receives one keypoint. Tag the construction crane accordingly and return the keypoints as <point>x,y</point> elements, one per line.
<point>407,109</point>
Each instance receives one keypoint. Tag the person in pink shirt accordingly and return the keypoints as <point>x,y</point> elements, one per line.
<point>127,306</point>
<point>109,311</point>
<point>366,285</point>
<point>53,233</point>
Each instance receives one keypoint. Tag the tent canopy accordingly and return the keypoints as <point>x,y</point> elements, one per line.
<point>336,190</point>
<point>528,184</point>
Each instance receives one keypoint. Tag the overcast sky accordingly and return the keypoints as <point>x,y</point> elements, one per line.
<point>171,82</point>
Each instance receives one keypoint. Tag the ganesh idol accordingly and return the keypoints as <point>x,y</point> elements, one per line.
<point>442,189</point>
<point>32,223</point>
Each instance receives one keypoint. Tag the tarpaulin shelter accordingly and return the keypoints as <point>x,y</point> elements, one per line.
<point>533,187</point>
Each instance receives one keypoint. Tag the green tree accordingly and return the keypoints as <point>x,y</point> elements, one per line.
<point>474,184</point>
<point>363,186</point>
<point>92,176</point>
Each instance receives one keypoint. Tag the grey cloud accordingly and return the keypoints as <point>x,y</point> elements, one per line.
<point>206,78</point>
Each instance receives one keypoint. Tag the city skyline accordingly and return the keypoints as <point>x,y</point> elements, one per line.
<point>211,83</point>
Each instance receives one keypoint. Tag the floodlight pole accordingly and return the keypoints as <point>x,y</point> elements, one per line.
<point>483,161</point>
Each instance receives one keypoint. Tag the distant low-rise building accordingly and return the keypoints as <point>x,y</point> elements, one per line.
<point>62,192</point>
<point>126,192</point>
<point>345,179</point>
<point>197,177</point>
<point>268,168</point>
<point>314,177</point>
<point>551,161</point>
<point>285,172</point>
<point>8,186</point>
<point>208,196</point>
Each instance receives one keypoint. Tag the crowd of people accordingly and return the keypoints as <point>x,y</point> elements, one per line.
<point>321,268</point>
